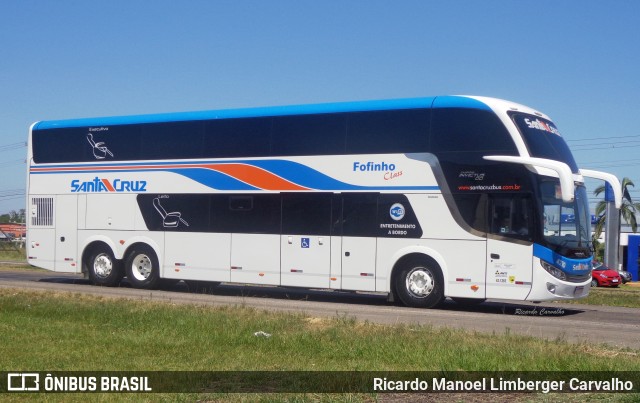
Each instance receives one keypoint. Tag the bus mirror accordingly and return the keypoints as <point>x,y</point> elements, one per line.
<point>610,179</point>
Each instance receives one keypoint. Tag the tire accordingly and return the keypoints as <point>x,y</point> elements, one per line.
<point>201,287</point>
<point>468,301</point>
<point>103,268</point>
<point>419,284</point>
<point>143,269</point>
<point>594,283</point>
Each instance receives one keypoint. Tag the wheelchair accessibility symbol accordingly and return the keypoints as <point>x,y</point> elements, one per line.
<point>304,243</point>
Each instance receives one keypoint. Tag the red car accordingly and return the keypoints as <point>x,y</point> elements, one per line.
<point>602,276</point>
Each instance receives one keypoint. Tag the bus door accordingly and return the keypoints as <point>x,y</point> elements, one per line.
<point>510,246</point>
<point>359,241</point>
<point>66,238</point>
<point>305,243</point>
<point>255,243</point>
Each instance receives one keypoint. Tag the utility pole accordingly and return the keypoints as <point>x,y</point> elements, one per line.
<point>612,229</point>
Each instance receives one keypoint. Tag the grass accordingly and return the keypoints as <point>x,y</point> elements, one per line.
<point>62,330</point>
<point>625,295</point>
<point>73,332</point>
<point>13,255</point>
<point>42,331</point>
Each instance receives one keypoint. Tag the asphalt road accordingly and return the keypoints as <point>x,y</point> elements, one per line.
<point>614,326</point>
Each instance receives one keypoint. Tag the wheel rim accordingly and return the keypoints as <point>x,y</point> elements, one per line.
<point>103,265</point>
<point>420,282</point>
<point>594,283</point>
<point>141,267</point>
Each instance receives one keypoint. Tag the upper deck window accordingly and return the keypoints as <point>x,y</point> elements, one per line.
<point>469,130</point>
<point>384,132</point>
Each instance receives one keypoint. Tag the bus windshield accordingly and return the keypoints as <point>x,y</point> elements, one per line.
<point>566,225</point>
<point>543,139</point>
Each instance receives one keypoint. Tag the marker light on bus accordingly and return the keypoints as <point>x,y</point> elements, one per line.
<point>554,271</point>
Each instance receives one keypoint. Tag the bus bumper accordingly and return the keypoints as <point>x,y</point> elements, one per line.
<point>545,287</point>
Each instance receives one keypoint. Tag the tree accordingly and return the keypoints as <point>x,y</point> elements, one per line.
<point>628,209</point>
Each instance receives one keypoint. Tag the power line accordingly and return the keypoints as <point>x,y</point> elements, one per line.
<point>608,166</point>
<point>603,138</point>
<point>608,163</point>
<point>611,144</point>
<point>611,147</point>
<point>11,193</point>
<point>12,197</point>
<point>13,146</point>
<point>12,162</point>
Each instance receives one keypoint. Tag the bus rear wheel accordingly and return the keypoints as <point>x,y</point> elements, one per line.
<point>420,284</point>
<point>103,268</point>
<point>143,269</point>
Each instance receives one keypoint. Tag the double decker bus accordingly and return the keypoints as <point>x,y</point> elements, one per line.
<point>421,199</point>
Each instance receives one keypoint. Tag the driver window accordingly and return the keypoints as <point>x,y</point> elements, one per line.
<point>511,216</point>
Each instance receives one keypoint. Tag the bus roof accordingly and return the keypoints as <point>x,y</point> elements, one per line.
<point>358,106</point>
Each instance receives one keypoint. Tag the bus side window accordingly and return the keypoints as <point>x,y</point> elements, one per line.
<point>359,215</point>
<point>306,213</point>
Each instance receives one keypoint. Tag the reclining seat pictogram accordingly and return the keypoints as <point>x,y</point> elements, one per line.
<point>169,220</point>
<point>100,151</point>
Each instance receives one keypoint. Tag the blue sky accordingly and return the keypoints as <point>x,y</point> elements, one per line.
<point>577,61</point>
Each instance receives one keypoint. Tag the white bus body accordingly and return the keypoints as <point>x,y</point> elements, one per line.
<point>319,196</point>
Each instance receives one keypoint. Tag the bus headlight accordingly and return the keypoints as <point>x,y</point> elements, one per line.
<point>554,271</point>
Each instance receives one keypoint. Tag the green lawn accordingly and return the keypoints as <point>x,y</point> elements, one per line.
<point>44,331</point>
<point>626,295</point>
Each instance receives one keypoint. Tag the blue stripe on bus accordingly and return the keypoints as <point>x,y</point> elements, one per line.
<point>569,266</point>
<point>459,102</point>
<point>408,103</point>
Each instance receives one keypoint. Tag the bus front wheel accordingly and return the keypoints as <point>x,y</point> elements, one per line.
<point>143,270</point>
<point>420,284</point>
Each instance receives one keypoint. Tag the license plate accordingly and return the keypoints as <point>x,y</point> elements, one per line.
<point>615,280</point>
<point>578,290</point>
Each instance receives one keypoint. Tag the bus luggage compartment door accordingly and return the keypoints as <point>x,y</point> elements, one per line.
<point>41,233</point>
<point>66,233</point>
<point>306,261</point>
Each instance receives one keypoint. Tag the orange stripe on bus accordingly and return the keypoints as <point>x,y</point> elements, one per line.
<point>256,176</point>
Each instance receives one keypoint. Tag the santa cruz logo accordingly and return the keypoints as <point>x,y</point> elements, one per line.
<point>581,266</point>
<point>105,185</point>
<point>540,125</point>
<point>397,212</point>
